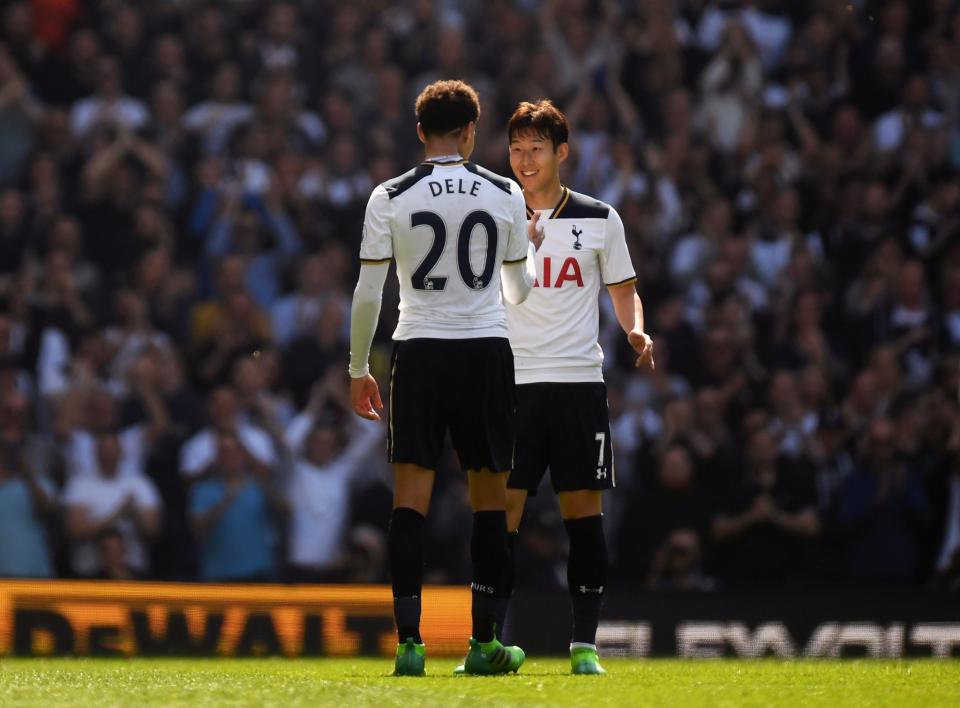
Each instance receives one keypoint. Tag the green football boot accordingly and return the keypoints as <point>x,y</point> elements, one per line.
<point>584,660</point>
<point>491,658</point>
<point>410,659</point>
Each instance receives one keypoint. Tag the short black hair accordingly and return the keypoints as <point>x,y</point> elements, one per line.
<point>542,118</point>
<point>446,106</point>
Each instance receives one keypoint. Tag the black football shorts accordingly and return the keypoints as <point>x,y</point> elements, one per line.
<point>564,427</point>
<point>465,386</point>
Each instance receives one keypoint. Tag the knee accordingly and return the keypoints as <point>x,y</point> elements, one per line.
<point>581,504</point>
<point>488,490</point>
<point>516,500</point>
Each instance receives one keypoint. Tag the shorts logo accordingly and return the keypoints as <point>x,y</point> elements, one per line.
<point>576,235</point>
<point>477,587</point>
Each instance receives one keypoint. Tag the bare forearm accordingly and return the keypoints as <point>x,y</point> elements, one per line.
<point>203,521</point>
<point>81,526</point>
<point>727,527</point>
<point>628,307</point>
<point>100,164</point>
<point>148,521</point>
<point>805,523</point>
<point>152,158</point>
<point>156,411</point>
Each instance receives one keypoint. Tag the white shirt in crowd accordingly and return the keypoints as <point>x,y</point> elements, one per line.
<point>80,453</point>
<point>201,449</point>
<point>124,111</point>
<point>319,497</point>
<point>102,497</point>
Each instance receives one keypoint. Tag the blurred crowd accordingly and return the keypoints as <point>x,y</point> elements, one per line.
<point>182,188</point>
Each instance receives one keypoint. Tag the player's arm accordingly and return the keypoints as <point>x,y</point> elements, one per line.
<point>629,309</point>
<point>520,273</point>
<point>364,314</point>
<point>376,251</point>
<point>618,274</point>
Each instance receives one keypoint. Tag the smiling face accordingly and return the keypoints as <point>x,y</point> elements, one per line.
<point>534,160</point>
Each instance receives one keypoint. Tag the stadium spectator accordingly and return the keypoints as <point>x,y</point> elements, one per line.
<point>676,564</point>
<point>328,462</point>
<point>112,556</point>
<point>881,513</point>
<point>675,499</point>
<point>107,498</point>
<point>26,499</point>
<point>108,107</point>
<point>765,526</point>
<point>233,516</point>
<point>224,417</point>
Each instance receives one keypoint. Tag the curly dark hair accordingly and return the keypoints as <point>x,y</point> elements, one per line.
<point>446,106</point>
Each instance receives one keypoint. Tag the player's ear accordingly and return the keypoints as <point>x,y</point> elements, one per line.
<point>562,152</point>
<point>421,134</point>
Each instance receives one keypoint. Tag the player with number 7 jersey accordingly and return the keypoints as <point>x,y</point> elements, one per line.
<point>562,417</point>
<point>461,243</point>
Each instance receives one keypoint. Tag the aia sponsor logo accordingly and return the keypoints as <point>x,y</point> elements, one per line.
<point>569,272</point>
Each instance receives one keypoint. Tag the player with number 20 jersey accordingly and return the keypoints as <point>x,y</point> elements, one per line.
<point>460,240</point>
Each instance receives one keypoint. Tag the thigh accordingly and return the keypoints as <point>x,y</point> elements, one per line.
<point>416,421</point>
<point>481,404</point>
<point>531,451</point>
<point>581,451</point>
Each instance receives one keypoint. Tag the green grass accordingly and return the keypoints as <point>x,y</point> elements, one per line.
<point>354,683</point>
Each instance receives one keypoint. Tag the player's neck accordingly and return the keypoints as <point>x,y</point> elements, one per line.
<point>442,150</point>
<point>545,198</point>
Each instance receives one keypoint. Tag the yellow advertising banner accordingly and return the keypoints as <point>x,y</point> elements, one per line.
<point>103,618</point>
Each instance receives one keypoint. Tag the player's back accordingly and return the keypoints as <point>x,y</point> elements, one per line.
<point>449,226</point>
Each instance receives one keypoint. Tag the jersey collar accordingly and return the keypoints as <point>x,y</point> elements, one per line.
<point>445,160</point>
<point>558,207</point>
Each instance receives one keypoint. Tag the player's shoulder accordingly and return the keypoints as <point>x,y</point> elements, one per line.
<point>505,184</point>
<point>393,188</point>
<point>583,206</point>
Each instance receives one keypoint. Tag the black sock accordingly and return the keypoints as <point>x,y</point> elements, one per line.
<point>405,547</point>
<point>488,550</point>
<point>586,575</point>
<point>508,580</point>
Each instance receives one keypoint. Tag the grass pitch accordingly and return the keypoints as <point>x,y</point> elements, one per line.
<point>355,683</point>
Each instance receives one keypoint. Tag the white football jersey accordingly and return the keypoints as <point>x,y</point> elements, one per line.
<point>449,226</point>
<point>554,332</point>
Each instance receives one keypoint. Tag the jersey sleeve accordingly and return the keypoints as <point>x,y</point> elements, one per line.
<point>376,245</point>
<point>517,240</point>
<point>616,268</point>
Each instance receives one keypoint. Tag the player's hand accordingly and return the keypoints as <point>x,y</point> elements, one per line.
<point>534,232</point>
<point>365,397</point>
<point>642,344</point>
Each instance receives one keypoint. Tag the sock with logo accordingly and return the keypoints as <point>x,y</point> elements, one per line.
<point>488,550</point>
<point>405,548</point>
<point>586,575</point>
